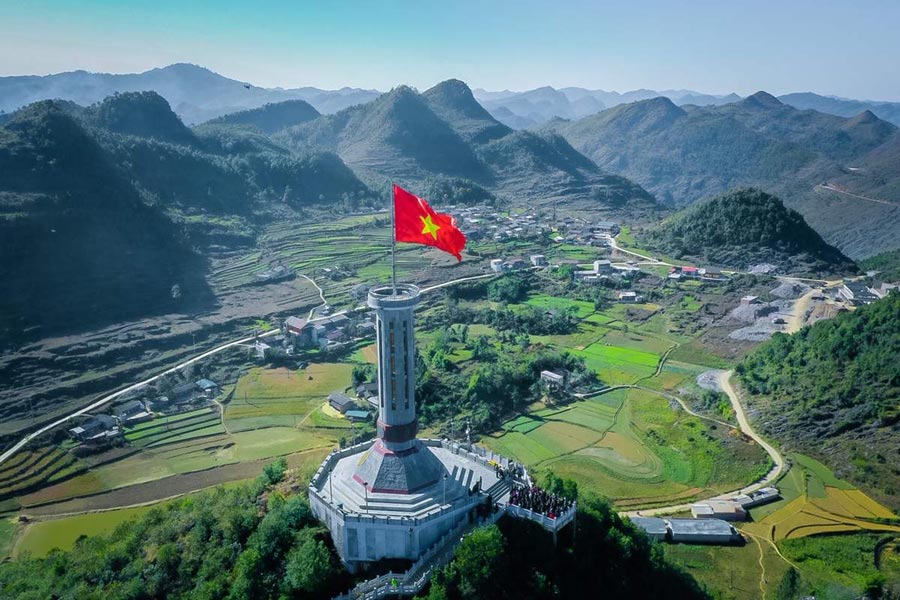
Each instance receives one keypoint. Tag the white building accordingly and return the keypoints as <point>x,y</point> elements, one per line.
<point>728,510</point>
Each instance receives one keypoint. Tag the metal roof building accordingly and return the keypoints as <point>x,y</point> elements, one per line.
<point>703,531</point>
<point>654,527</point>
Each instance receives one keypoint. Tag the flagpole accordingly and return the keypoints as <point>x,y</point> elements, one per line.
<point>393,239</point>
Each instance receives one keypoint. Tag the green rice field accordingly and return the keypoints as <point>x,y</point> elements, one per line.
<point>632,447</point>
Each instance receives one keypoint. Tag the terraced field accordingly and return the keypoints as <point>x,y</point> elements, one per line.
<point>357,246</point>
<point>32,468</point>
<point>816,502</point>
<point>281,397</point>
<point>632,447</point>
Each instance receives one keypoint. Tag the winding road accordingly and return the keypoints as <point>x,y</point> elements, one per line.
<point>774,473</point>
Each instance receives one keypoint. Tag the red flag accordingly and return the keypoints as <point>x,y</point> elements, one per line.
<point>417,223</point>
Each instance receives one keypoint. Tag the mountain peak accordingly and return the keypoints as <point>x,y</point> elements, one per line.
<point>144,114</point>
<point>865,117</point>
<point>657,109</point>
<point>452,100</point>
<point>762,99</point>
<point>273,117</point>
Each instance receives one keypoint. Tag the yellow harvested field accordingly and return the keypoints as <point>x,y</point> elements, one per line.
<point>371,354</point>
<point>878,510</point>
<point>839,510</point>
<point>330,411</point>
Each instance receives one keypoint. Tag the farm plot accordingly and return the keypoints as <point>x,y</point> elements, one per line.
<point>617,365</point>
<point>281,397</point>
<point>580,308</point>
<point>631,447</point>
<point>36,467</point>
<point>39,538</point>
<point>184,426</point>
<point>821,504</point>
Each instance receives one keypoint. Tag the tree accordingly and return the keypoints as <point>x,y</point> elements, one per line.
<point>509,288</point>
<point>309,566</point>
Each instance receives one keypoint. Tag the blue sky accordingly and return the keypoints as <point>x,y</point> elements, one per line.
<point>847,48</point>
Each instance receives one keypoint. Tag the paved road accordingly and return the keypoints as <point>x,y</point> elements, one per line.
<point>109,398</point>
<point>246,340</point>
<point>649,260</point>
<point>876,200</point>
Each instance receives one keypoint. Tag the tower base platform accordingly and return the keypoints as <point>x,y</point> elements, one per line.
<point>410,503</point>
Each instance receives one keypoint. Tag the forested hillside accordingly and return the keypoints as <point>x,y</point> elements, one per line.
<point>273,117</point>
<point>887,264</point>
<point>100,207</point>
<point>260,541</point>
<point>746,227</point>
<point>833,390</point>
<point>518,560</point>
<point>77,240</point>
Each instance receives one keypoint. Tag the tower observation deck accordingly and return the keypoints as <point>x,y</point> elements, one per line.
<point>400,495</point>
<point>397,463</point>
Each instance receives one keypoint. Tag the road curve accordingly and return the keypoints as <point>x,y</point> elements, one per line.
<point>109,398</point>
<point>744,424</point>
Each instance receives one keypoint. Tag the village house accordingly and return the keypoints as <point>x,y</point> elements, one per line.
<point>341,402</point>
<point>857,293</point>
<point>690,272</point>
<point>132,413</point>
<point>366,390</point>
<point>538,260</point>
<point>183,393</point>
<point>883,289</point>
<point>727,510</point>
<point>748,300</point>
<point>702,531</point>
<point>95,430</point>
<point>711,273</point>
<point>357,416</point>
<point>757,498</point>
<point>518,263</point>
<point>630,297</point>
<point>207,387</point>
<point>606,227</point>
<point>498,265</point>
<point>553,380</point>
<point>260,349</point>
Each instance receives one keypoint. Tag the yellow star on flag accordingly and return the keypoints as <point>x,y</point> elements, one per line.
<point>429,226</point>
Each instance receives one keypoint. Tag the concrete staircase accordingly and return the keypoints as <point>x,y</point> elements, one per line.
<point>412,581</point>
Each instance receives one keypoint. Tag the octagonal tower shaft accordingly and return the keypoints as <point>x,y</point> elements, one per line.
<point>397,424</point>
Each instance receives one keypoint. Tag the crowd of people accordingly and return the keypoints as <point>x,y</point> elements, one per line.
<point>540,501</point>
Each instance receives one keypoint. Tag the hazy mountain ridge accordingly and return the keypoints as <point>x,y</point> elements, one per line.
<point>195,93</point>
<point>843,107</point>
<point>535,107</point>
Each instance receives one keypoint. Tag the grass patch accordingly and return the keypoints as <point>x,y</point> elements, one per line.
<point>40,538</point>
